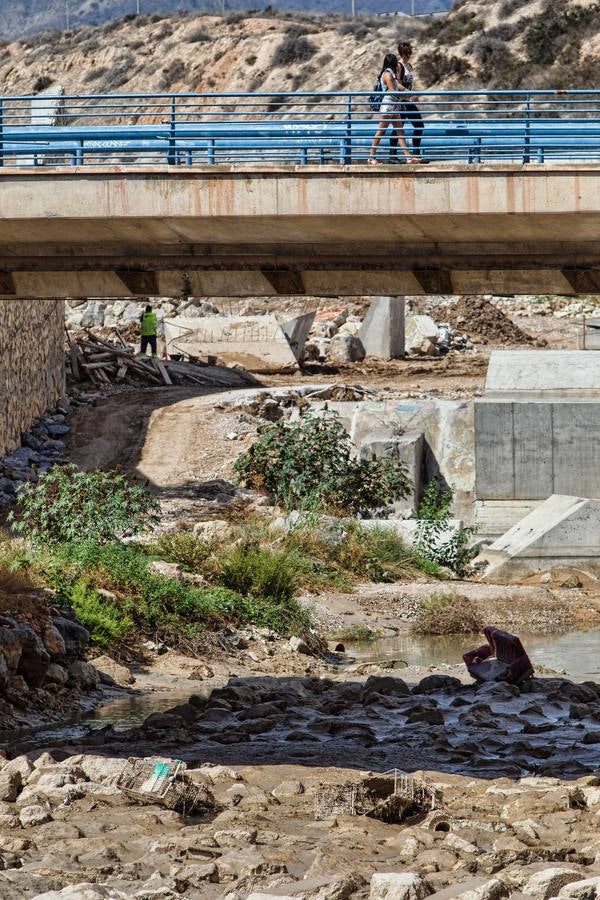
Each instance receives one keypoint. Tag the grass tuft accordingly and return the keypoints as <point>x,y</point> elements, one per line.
<point>446,614</point>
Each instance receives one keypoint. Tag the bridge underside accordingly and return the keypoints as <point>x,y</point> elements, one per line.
<point>328,231</point>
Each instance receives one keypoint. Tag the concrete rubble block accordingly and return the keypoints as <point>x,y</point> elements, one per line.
<point>406,448</point>
<point>563,530</point>
<point>548,882</point>
<point>296,331</point>
<point>406,528</point>
<point>257,343</point>
<point>398,886</point>
<point>543,375</point>
<point>382,330</point>
<point>421,335</point>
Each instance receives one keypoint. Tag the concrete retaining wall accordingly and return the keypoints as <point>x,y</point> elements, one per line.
<point>31,364</point>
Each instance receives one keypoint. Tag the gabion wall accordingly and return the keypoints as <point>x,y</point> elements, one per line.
<point>32,364</point>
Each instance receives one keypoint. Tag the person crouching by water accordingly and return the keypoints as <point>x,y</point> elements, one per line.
<point>390,110</point>
<point>148,332</point>
<point>409,112</point>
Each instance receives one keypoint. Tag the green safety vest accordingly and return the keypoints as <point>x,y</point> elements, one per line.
<point>149,324</point>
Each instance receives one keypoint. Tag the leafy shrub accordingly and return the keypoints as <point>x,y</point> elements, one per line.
<point>189,550</point>
<point>171,74</point>
<point>435,66</point>
<point>41,83</point>
<point>357,29</point>
<point>355,634</point>
<point>508,7</point>
<point>295,48</point>
<point>433,519</point>
<point>104,620</point>
<point>446,614</point>
<point>259,573</point>
<point>67,504</point>
<point>310,462</point>
<point>198,36</point>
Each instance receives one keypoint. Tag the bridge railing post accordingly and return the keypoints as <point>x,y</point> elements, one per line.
<point>527,136</point>
<point>172,154</point>
<point>1,131</point>
<point>348,142</point>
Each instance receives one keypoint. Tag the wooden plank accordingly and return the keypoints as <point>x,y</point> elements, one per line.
<point>74,362</point>
<point>162,371</point>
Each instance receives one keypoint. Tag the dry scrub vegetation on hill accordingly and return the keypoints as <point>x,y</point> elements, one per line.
<point>504,44</point>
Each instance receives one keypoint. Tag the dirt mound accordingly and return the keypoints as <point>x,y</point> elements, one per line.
<point>483,322</point>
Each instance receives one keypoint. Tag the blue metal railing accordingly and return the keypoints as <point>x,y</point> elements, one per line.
<point>297,128</point>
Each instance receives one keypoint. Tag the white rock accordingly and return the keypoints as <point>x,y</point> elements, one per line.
<point>10,785</point>
<point>548,882</point>
<point>494,889</point>
<point>219,774</point>
<point>588,889</point>
<point>30,816</point>
<point>454,842</point>
<point>84,891</point>
<point>398,886</point>
<point>420,333</point>
<point>22,765</point>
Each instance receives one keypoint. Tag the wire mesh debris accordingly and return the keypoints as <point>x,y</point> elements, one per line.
<point>391,796</point>
<point>164,782</point>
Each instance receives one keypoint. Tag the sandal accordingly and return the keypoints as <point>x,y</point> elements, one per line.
<point>373,161</point>
<point>412,160</point>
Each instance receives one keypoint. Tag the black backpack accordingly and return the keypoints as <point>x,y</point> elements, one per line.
<point>376,98</point>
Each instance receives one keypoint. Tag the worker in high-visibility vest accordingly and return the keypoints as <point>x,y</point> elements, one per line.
<point>148,331</point>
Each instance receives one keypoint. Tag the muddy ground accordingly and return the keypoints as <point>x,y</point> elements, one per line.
<point>264,725</point>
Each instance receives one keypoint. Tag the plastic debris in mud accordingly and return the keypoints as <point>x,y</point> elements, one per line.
<point>164,781</point>
<point>391,797</point>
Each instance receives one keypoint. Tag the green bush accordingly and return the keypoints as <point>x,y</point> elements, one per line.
<point>295,48</point>
<point>189,550</point>
<point>104,620</point>
<point>172,606</point>
<point>259,573</point>
<point>67,504</point>
<point>433,519</point>
<point>310,463</point>
<point>446,614</point>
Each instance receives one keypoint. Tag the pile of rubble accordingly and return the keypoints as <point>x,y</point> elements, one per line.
<point>483,322</point>
<point>41,448</point>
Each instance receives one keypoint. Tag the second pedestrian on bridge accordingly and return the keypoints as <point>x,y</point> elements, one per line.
<point>388,104</point>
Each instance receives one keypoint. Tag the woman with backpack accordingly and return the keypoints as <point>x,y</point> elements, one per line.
<point>390,110</point>
<point>409,111</point>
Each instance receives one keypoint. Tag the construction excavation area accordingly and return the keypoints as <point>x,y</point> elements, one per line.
<point>304,603</point>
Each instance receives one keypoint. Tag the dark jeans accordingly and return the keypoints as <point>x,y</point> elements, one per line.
<point>149,339</point>
<point>409,112</point>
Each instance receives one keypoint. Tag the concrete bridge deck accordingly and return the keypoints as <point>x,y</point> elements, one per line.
<point>112,231</point>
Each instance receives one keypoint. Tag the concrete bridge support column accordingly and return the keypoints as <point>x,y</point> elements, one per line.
<point>382,331</point>
<point>32,364</point>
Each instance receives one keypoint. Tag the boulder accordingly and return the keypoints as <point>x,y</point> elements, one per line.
<point>54,642</point>
<point>385,684</point>
<point>588,889</point>
<point>20,764</point>
<point>30,816</point>
<point>84,675</point>
<point>10,785</point>
<point>288,789</point>
<point>55,674</point>
<point>547,883</point>
<point>75,636</point>
<point>398,886</point>
<point>114,670</point>
<point>432,683</point>
<point>421,335</point>
<point>346,348</point>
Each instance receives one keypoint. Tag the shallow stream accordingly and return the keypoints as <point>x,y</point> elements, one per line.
<point>577,653</point>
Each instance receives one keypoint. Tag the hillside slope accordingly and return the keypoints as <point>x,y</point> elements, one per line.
<point>21,18</point>
<point>496,45</point>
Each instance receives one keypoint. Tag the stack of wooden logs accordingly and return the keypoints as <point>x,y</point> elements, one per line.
<point>103,362</point>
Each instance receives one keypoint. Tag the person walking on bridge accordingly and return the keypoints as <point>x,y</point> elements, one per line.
<point>409,111</point>
<point>390,110</point>
<point>148,332</point>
